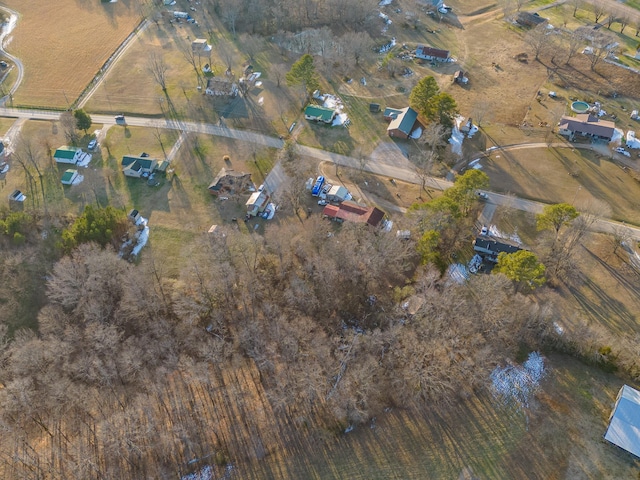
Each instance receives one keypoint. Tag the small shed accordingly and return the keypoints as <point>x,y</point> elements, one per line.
<point>134,216</point>
<point>16,200</point>
<point>624,422</point>
<point>69,176</point>
<point>374,107</point>
<point>200,45</point>
<point>66,154</point>
<point>338,193</point>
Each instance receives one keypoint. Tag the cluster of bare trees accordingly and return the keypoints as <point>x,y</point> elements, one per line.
<point>140,375</point>
<point>268,17</point>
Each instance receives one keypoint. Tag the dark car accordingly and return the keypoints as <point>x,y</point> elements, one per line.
<point>3,64</point>
<point>120,120</point>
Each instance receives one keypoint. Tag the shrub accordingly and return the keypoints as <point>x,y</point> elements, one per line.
<point>18,239</point>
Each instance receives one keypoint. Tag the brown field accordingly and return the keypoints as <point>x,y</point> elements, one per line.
<point>63,45</point>
<point>565,175</point>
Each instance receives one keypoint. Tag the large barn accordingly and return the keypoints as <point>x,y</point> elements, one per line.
<point>624,423</point>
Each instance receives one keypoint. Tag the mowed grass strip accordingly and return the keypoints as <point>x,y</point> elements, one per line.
<point>63,44</point>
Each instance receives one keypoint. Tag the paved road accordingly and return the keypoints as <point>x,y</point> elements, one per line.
<point>398,168</point>
<point>6,30</point>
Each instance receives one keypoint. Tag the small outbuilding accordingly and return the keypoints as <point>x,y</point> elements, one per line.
<point>16,200</point>
<point>338,193</point>
<point>69,176</point>
<point>200,46</point>
<point>624,422</point>
<point>70,155</point>
<point>257,202</point>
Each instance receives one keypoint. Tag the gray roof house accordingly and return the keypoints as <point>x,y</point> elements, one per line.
<point>624,422</point>
<point>489,247</point>
<point>586,125</point>
<point>136,166</point>
<point>403,123</point>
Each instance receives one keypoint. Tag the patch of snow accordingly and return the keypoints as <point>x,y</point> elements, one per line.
<point>261,101</point>
<point>384,3</point>
<point>632,141</point>
<point>472,131</point>
<point>258,84</point>
<point>416,133</point>
<point>84,160</point>
<point>458,273</point>
<point>142,236</point>
<point>477,167</point>
<point>456,141</point>
<point>516,384</point>
<point>617,135</point>
<point>494,232</point>
<point>472,163</point>
<point>559,330</point>
<point>601,113</point>
<point>206,473</point>
<point>77,180</point>
<point>340,119</point>
<point>349,429</point>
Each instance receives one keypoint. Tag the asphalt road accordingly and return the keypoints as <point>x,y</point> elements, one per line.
<point>395,166</point>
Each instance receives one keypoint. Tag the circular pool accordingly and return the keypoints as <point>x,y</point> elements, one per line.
<point>580,107</point>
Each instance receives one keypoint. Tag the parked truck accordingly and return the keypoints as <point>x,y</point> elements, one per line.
<point>184,15</point>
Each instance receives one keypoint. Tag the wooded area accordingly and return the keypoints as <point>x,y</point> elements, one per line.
<point>263,342</point>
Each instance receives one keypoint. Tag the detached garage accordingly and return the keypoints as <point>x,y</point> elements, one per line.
<point>624,423</point>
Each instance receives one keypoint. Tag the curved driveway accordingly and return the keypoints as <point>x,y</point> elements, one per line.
<point>6,30</point>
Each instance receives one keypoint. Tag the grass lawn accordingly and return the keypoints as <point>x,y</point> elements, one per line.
<point>63,45</point>
<point>5,123</point>
<point>565,175</point>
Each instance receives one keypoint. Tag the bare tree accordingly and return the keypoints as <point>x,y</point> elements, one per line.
<point>538,39</point>
<point>190,56</point>
<point>602,44</point>
<point>611,19</point>
<point>251,44</point>
<point>279,71</point>
<point>599,9</point>
<point>158,70</point>
<point>576,4</point>
<point>157,133</point>
<point>573,43</point>
<point>357,44</point>
<point>230,11</point>
<point>625,19</point>
<point>28,155</point>
<point>225,51</point>
<point>69,126</point>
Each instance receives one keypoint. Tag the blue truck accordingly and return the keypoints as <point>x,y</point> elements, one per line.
<point>317,188</point>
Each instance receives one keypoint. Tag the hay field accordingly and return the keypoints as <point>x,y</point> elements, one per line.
<point>63,44</point>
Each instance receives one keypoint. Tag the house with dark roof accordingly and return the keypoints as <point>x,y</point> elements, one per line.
<point>402,122</point>
<point>430,53</point>
<point>69,155</point>
<point>490,247</point>
<point>349,211</point>
<point>318,113</point>
<point>586,125</point>
<point>228,182</point>
<point>528,19</point>
<point>137,166</point>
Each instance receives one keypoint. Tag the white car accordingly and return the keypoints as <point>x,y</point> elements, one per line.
<point>623,152</point>
<point>92,144</point>
<point>322,203</point>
